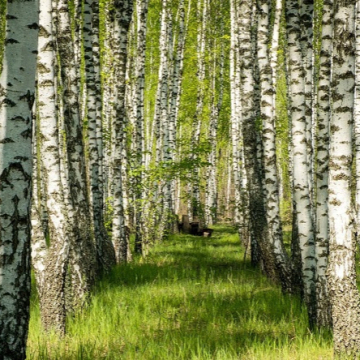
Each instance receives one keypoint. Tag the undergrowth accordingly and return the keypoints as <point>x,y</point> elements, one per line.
<point>190,298</point>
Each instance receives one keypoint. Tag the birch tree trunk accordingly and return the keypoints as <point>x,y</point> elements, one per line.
<point>108,106</point>
<point>357,121</point>
<point>306,13</point>
<point>211,181</point>
<point>129,182</point>
<point>161,122</point>
<point>123,11</point>
<point>344,294</point>
<point>168,129</point>
<point>235,110</point>
<point>210,193</point>
<point>202,16</point>
<point>175,95</point>
<point>51,254</point>
<point>142,11</point>
<point>38,234</point>
<point>250,138</point>
<point>104,251</point>
<point>82,250</point>
<point>323,317</point>
<point>271,181</point>
<point>302,197</point>
<point>17,85</point>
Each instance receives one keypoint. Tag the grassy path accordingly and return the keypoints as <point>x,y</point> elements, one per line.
<point>191,298</point>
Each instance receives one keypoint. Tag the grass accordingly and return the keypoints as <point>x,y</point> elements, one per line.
<point>191,298</point>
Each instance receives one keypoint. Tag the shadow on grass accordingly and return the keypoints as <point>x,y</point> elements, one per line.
<point>246,317</point>
<point>193,261</point>
<point>194,298</point>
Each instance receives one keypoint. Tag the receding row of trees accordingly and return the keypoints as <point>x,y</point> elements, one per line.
<point>143,111</point>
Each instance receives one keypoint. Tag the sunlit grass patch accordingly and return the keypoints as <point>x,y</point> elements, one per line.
<point>190,298</point>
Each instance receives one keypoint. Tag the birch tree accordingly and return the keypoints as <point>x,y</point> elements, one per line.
<point>235,110</point>
<point>122,18</point>
<point>142,11</point>
<point>306,13</point>
<point>17,85</point>
<point>104,251</point>
<point>175,95</point>
<point>177,91</point>
<point>161,121</point>
<point>302,197</point>
<point>357,119</point>
<point>344,294</point>
<point>323,317</point>
<point>202,16</point>
<point>267,110</point>
<point>82,250</point>
<point>51,250</point>
<point>216,104</point>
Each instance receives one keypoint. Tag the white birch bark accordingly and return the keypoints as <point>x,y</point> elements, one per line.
<point>210,192</point>
<point>82,250</point>
<point>251,190</point>
<point>322,175</point>
<point>216,104</point>
<point>122,19</point>
<point>228,190</point>
<point>267,109</point>
<point>202,18</point>
<point>357,120</point>
<point>343,291</point>
<point>17,85</point>
<point>306,13</point>
<point>52,257</point>
<point>302,196</point>
<point>108,106</point>
<point>161,121</point>
<point>168,134</point>
<point>236,138</point>
<point>38,232</point>
<point>175,95</point>
<point>140,194</point>
<point>162,90</point>
<point>104,253</point>
<point>129,132</point>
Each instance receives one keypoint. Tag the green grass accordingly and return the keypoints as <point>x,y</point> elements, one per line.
<point>191,298</point>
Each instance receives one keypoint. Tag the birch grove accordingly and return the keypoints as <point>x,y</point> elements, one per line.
<point>154,117</point>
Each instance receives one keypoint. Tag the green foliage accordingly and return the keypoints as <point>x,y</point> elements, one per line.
<point>191,298</point>
<point>283,130</point>
<point>109,214</point>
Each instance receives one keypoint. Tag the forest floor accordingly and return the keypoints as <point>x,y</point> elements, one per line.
<point>190,298</point>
